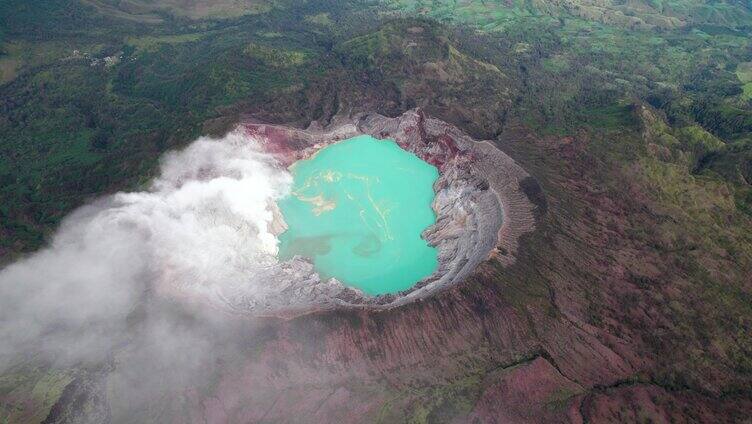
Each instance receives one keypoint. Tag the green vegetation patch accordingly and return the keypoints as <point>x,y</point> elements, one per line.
<point>437,403</point>
<point>747,91</point>
<point>613,117</point>
<point>39,389</point>
<point>556,64</point>
<point>744,73</point>
<point>638,14</point>
<point>152,11</point>
<point>484,15</point>
<point>321,19</point>
<point>282,58</point>
<point>8,68</point>
<point>152,43</point>
<point>90,101</point>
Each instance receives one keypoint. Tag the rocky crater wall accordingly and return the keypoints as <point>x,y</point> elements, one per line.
<point>480,207</point>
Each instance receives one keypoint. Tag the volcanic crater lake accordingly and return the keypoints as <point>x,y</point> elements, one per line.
<point>357,210</point>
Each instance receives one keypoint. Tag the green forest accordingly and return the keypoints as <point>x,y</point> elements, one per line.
<point>92,93</point>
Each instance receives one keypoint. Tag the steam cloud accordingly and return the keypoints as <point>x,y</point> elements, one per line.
<point>201,229</point>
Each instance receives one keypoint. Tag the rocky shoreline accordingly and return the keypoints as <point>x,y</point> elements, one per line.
<point>481,210</point>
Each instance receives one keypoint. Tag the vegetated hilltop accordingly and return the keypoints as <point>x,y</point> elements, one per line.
<point>630,300</point>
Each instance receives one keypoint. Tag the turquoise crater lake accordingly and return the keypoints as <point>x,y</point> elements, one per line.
<point>357,210</point>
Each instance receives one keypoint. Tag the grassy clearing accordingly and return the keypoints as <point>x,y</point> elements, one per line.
<point>744,73</point>
<point>611,118</point>
<point>321,19</point>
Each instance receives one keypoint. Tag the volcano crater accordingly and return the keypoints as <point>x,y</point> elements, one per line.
<point>480,206</point>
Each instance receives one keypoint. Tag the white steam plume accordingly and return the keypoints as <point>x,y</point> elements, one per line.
<point>201,228</point>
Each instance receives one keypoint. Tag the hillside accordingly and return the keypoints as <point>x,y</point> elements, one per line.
<point>630,301</point>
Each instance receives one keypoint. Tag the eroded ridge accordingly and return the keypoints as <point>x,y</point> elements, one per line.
<point>481,210</point>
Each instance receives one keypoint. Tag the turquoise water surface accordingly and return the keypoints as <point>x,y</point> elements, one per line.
<point>357,209</point>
